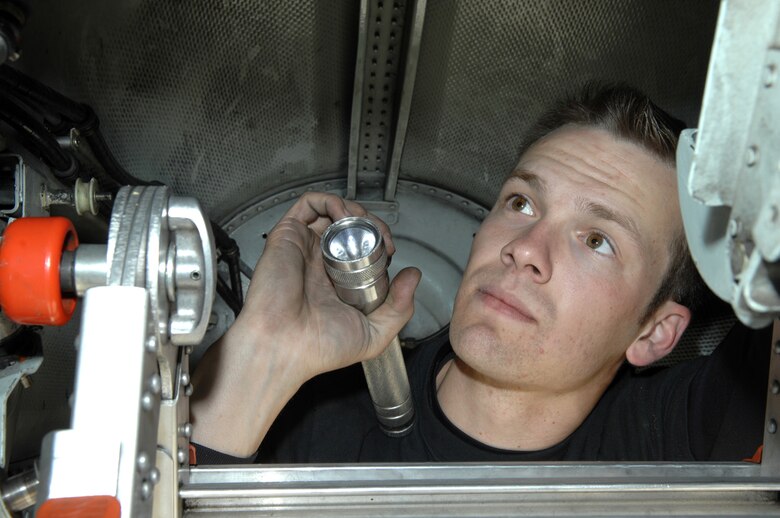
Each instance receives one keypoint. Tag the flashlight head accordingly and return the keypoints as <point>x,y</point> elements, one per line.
<point>356,261</point>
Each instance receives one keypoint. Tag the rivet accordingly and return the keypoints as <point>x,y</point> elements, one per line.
<point>154,476</point>
<point>752,156</point>
<point>151,344</point>
<point>772,426</point>
<point>142,462</point>
<point>734,227</point>
<point>147,401</point>
<point>185,430</point>
<point>188,349</point>
<point>155,384</point>
<point>146,490</point>
<point>776,387</point>
<point>770,75</point>
<point>777,347</point>
<point>181,456</point>
<point>188,390</point>
<point>184,379</point>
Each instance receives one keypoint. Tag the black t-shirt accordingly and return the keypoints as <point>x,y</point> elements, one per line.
<point>711,408</point>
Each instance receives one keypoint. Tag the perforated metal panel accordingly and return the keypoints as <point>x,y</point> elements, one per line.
<point>489,69</point>
<point>222,100</point>
<point>233,100</point>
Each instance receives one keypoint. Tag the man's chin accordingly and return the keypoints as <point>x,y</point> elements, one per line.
<point>474,336</point>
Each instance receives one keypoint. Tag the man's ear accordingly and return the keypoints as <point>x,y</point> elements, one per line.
<point>660,334</point>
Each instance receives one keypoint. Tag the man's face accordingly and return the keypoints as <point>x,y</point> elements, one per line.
<point>566,262</point>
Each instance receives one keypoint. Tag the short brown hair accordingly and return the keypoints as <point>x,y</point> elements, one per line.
<point>630,114</point>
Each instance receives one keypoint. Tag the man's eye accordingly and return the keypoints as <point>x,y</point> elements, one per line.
<point>520,203</point>
<point>599,243</point>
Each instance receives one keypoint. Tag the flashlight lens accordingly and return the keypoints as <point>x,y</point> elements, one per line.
<point>352,243</point>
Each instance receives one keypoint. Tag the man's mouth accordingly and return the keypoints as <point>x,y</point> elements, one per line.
<point>506,304</point>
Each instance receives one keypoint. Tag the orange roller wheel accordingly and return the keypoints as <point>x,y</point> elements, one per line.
<point>81,507</point>
<point>30,256</point>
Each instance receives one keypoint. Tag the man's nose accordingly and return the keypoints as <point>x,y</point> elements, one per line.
<point>529,252</point>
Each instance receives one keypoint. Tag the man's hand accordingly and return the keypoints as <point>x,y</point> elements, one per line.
<point>292,299</point>
<point>292,327</point>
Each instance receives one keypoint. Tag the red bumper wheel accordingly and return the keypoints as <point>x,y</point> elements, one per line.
<point>30,256</point>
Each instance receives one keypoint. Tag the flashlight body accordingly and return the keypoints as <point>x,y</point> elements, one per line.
<point>362,282</point>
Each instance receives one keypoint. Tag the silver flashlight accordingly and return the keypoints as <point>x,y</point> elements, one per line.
<point>356,262</point>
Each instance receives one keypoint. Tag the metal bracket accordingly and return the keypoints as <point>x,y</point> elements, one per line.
<point>770,456</point>
<point>379,113</point>
<point>9,379</point>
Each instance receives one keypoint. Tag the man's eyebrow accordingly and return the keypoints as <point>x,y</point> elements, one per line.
<point>535,181</point>
<point>600,211</point>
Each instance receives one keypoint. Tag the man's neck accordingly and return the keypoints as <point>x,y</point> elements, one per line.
<point>510,418</point>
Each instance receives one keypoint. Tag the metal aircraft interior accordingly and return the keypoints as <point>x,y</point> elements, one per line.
<point>148,147</point>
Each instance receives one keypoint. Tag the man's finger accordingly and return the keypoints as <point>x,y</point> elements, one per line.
<point>388,319</point>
